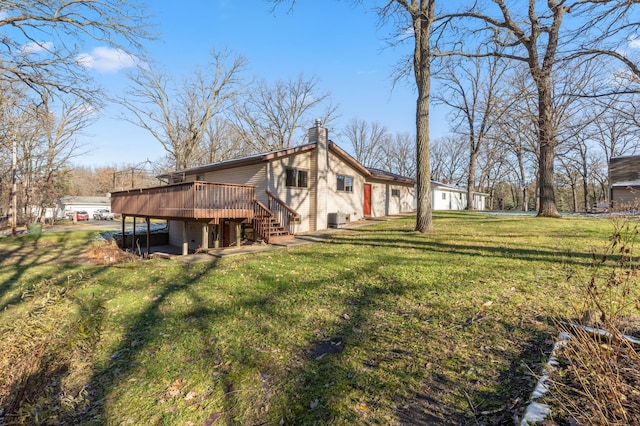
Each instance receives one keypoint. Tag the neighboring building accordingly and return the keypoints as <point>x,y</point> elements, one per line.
<point>274,194</point>
<point>624,182</point>
<point>451,197</point>
<point>69,204</point>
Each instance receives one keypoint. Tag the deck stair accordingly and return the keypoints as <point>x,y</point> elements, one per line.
<point>267,226</point>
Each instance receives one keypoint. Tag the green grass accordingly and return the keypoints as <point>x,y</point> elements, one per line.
<point>444,327</point>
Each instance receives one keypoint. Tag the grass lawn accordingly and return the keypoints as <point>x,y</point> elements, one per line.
<point>377,325</point>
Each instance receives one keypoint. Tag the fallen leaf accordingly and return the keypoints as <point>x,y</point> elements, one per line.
<point>314,403</point>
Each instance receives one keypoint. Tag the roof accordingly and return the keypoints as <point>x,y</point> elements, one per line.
<point>242,161</point>
<point>624,171</point>
<point>626,184</point>
<point>383,174</point>
<point>455,188</point>
<point>285,152</point>
<point>85,200</point>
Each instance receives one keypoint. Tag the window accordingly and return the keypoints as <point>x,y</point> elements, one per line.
<point>200,177</point>
<point>395,192</point>
<point>345,183</point>
<point>297,178</point>
<point>444,195</point>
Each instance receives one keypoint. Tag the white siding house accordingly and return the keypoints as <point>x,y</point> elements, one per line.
<point>451,197</point>
<point>71,204</point>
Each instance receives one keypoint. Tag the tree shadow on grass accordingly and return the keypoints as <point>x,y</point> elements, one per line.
<point>400,372</point>
<point>140,332</point>
<point>329,386</point>
<point>486,399</point>
<point>369,237</point>
<point>21,255</point>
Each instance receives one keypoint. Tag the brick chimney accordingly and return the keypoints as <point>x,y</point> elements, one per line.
<point>319,135</point>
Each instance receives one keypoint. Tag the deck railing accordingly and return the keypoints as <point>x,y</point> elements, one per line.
<point>189,200</point>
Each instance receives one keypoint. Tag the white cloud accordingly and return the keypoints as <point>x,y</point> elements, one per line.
<point>634,42</point>
<point>106,59</point>
<point>37,47</point>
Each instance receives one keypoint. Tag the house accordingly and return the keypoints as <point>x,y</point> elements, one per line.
<point>451,197</point>
<point>271,196</point>
<point>624,182</point>
<point>68,204</point>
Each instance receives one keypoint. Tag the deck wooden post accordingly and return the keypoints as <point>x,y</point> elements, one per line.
<point>133,236</point>
<point>148,220</point>
<point>221,233</point>
<point>238,234</point>
<point>205,236</point>
<point>216,234</point>
<point>185,241</point>
<point>123,243</point>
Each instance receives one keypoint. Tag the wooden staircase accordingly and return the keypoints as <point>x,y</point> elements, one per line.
<point>267,226</point>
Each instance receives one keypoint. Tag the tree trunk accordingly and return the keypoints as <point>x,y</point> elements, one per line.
<point>422,20</point>
<point>585,191</point>
<point>471,181</point>
<point>547,140</point>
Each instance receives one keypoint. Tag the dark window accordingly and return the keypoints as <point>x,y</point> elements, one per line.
<point>395,192</point>
<point>291,177</point>
<point>302,178</point>
<point>444,195</point>
<point>297,178</point>
<point>345,183</point>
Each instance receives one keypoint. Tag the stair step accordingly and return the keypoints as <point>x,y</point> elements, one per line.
<point>281,238</point>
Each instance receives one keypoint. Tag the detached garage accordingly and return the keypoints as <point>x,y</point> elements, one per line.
<point>624,182</point>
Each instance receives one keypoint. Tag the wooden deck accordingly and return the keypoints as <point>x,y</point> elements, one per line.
<point>207,201</point>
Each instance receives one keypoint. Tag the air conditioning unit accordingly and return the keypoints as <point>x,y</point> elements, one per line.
<point>337,220</point>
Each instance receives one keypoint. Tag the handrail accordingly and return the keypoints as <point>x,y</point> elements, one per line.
<point>284,214</point>
<point>261,208</point>
<point>284,205</point>
<point>260,226</point>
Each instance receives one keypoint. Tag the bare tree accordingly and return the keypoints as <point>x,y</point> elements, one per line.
<point>415,20</point>
<point>273,117</point>
<point>60,131</point>
<point>367,141</point>
<point>222,142</point>
<point>449,159</point>
<point>475,91</point>
<point>44,140</point>
<point>177,114</point>
<point>36,48</point>
<point>540,38</point>
<point>615,129</point>
<point>399,155</point>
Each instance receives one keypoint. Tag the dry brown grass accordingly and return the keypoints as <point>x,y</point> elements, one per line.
<point>598,379</point>
<point>108,252</point>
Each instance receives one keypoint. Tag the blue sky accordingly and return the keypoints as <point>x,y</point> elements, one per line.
<point>335,41</point>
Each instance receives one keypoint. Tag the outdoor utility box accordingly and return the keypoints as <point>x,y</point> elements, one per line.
<point>337,220</point>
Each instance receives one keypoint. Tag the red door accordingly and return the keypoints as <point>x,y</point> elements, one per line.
<point>367,199</point>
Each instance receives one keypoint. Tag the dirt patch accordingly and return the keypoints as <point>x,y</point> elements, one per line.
<point>324,348</point>
<point>108,252</point>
